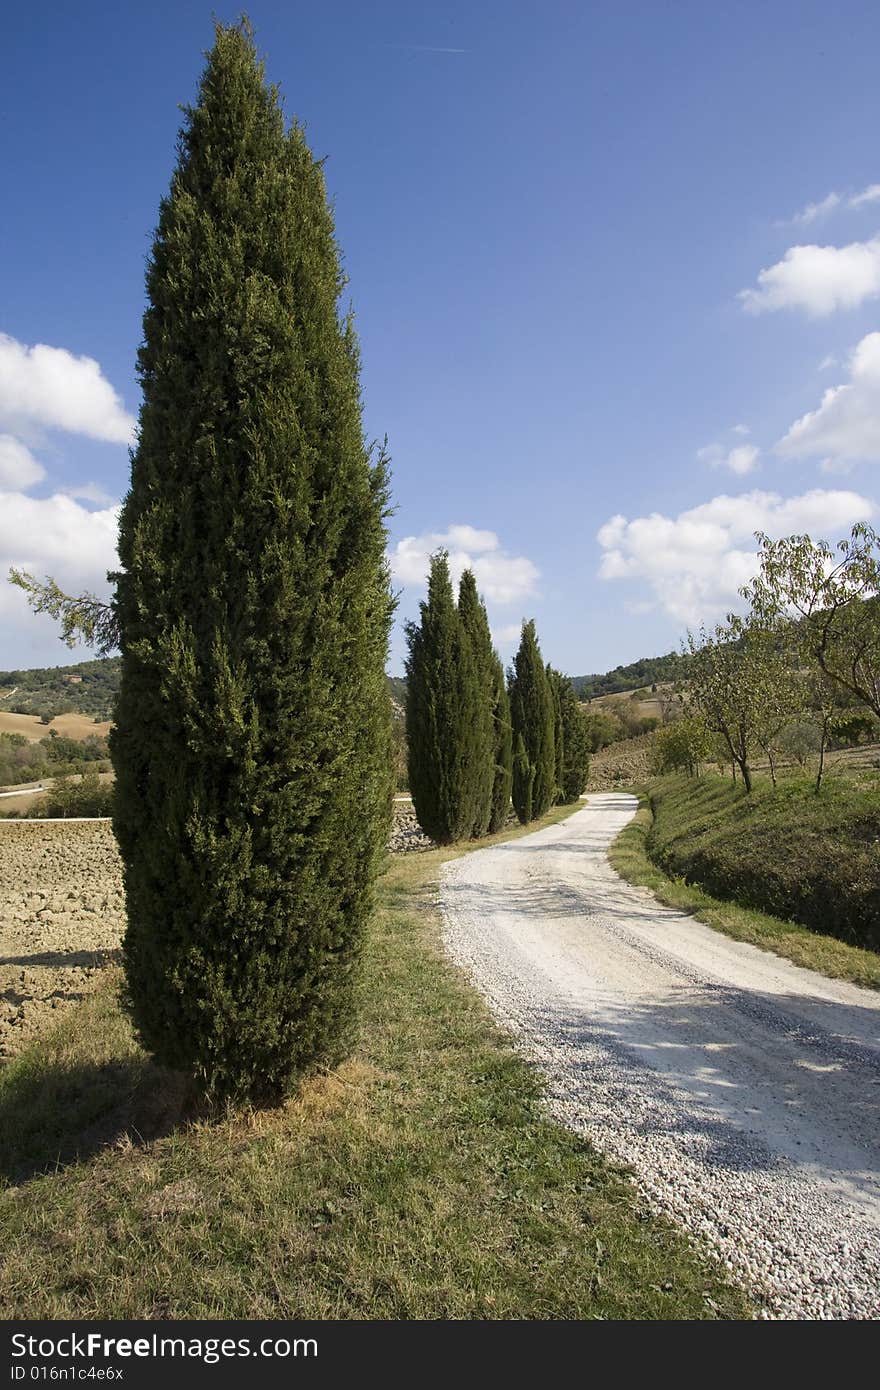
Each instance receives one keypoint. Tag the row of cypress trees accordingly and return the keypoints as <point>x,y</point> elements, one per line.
<point>458,727</point>
<point>551,759</point>
<point>473,740</point>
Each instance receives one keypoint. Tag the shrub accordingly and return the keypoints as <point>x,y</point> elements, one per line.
<point>82,796</point>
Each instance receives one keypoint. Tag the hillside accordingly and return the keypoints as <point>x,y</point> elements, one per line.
<point>87,688</point>
<point>647,671</point>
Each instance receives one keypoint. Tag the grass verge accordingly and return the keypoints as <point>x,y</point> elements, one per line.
<point>419,1180</point>
<point>630,857</point>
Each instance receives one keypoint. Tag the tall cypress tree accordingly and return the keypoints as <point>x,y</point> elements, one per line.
<point>441,737</point>
<point>576,744</point>
<point>252,732</point>
<point>475,625</point>
<point>503,749</point>
<point>531,709</point>
<point>554,680</point>
<point>523,781</point>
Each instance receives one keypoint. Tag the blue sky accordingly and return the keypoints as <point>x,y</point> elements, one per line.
<point>599,254</point>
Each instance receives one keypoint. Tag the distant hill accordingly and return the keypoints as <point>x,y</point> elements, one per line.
<point>90,687</point>
<point>87,688</point>
<point>648,671</point>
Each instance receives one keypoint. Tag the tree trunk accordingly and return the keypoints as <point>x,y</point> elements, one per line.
<point>821,756</point>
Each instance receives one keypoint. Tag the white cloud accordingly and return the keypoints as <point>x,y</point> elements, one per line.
<point>871,194</point>
<point>49,388</point>
<point>740,460</point>
<point>818,279</point>
<point>845,427</point>
<point>18,467</point>
<point>694,564</point>
<point>813,211</point>
<point>826,363</point>
<point>89,492</point>
<point>51,535</point>
<point>500,577</point>
<point>504,636</point>
<point>741,429</point>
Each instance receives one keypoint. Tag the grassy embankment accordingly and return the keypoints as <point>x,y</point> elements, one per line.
<point>420,1180</point>
<point>784,869</point>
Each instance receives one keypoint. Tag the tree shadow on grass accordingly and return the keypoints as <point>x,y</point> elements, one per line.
<point>55,1113</point>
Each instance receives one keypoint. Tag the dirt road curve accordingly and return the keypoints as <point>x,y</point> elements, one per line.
<point>743,1090</point>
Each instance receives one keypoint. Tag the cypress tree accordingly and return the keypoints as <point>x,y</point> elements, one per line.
<point>441,737</point>
<point>251,745</point>
<point>554,680</point>
<point>576,744</point>
<point>531,709</point>
<point>503,749</point>
<point>523,782</point>
<point>475,625</point>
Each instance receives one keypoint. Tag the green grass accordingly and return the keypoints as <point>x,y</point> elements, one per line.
<point>419,1180</point>
<point>684,809</point>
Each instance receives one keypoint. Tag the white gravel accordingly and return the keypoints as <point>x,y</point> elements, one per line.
<point>742,1090</point>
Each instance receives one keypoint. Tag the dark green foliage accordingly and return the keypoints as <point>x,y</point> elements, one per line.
<point>575,768</point>
<point>475,625</point>
<point>442,740</point>
<point>523,782</point>
<point>532,716</point>
<point>811,859</point>
<point>503,749</point>
<point>252,738</point>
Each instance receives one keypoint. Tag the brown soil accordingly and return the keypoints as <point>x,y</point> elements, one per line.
<point>61,922</point>
<point>62,916</point>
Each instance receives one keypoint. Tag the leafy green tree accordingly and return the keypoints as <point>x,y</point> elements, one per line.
<point>603,729</point>
<point>442,740</point>
<point>532,717</point>
<point>475,625</point>
<point>833,598</point>
<point>681,746</point>
<point>744,689</point>
<point>252,609</point>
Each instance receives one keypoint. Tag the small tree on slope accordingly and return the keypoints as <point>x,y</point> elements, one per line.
<point>252,738</point>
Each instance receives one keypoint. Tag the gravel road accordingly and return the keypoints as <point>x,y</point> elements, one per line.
<point>742,1090</point>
